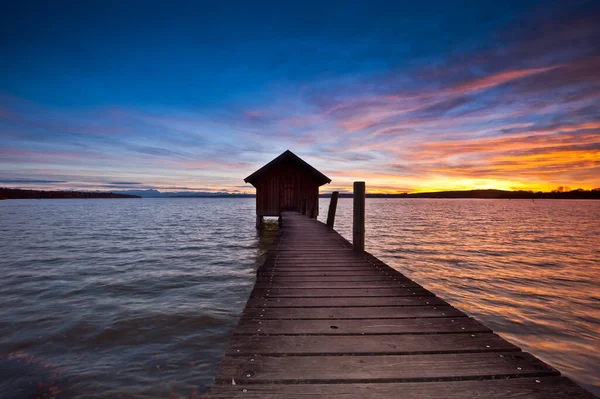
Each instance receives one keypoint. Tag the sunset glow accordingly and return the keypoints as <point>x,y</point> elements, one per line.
<point>503,96</point>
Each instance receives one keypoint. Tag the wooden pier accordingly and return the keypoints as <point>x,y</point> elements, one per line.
<point>325,321</point>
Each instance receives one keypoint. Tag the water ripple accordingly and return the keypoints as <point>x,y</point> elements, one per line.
<point>529,270</point>
<point>118,298</point>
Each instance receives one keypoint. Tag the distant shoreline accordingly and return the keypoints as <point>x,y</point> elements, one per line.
<point>11,193</point>
<point>16,193</point>
<point>490,194</point>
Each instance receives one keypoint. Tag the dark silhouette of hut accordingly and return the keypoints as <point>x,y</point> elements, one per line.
<point>287,183</point>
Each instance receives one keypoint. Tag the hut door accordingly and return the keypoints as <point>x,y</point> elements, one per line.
<point>287,197</point>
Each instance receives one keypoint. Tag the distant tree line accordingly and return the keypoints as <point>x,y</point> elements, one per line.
<point>559,193</point>
<point>17,193</point>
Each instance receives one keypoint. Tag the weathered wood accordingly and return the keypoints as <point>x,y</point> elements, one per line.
<point>314,210</point>
<point>366,345</point>
<point>325,279</point>
<point>514,388</point>
<point>314,263</point>
<point>352,312</point>
<point>317,249</point>
<point>361,326</point>
<point>324,321</point>
<point>283,183</point>
<point>332,209</point>
<point>311,284</point>
<point>358,226</point>
<point>324,265</point>
<point>389,368</point>
<point>317,259</point>
<point>338,292</point>
<point>342,302</point>
<point>340,257</point>
<point>320,273</point>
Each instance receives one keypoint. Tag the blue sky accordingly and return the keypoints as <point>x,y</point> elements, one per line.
<point>195,96</point>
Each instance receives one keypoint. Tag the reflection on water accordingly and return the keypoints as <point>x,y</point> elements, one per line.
<point>528,270</point>
<point>138,298</point>
<point>121,298</point>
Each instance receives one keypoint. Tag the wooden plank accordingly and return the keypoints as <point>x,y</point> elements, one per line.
<point>361,326</point>
<point>325,248</point>
<point>317,262</point>
<point>307,255</point>
<point>320,266</point>
<point>333,266</point>
<point>353,279</point>
<point>342,302</point>
<point>322,259</point>
<point>366,344</point>
<point>388,368</point>
<point>320,272</point>
<point>337,284</point>
<point>352,313</point>
<point>318,258</point>
<point>324,322</point>
<point>339,292</point>
<point>514,388</point>
<point>314,273</point>
<point>341,268</point>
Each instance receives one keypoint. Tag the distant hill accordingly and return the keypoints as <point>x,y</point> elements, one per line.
<point>158,194</point>
<point>498,194</point>
<point>11,193</point>
<point>17,193</point>
<point>570,194</point>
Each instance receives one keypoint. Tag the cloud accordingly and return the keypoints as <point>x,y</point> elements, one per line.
<point>519,110</point>
<point>30,181</point>
<point>491,81</point>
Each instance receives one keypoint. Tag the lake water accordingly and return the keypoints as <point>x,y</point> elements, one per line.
<point>115,298</point>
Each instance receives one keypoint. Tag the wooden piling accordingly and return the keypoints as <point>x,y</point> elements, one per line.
<point>358,230</point>
<point>332,209</point>
<point>315,207</point>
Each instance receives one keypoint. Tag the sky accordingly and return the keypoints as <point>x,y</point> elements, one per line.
<point>407,96</point>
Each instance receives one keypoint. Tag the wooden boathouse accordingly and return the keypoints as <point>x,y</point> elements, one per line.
<point>287,183</point>
<point>326,320</point>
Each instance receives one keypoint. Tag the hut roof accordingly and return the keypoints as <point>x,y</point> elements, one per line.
<point>288,156</point>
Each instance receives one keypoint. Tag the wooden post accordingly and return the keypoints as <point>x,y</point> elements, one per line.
<point>303,207</point>
<point>259,222</point>
<point>315,207</point>
<point>358,230</point>
<point>332,209</point>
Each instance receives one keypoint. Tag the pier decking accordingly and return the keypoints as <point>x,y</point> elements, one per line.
<point>324,321</point>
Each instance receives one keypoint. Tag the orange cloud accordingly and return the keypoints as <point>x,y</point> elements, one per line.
<point>498,79</point>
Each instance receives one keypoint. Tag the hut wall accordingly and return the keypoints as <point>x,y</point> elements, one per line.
<point>285,188</point>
